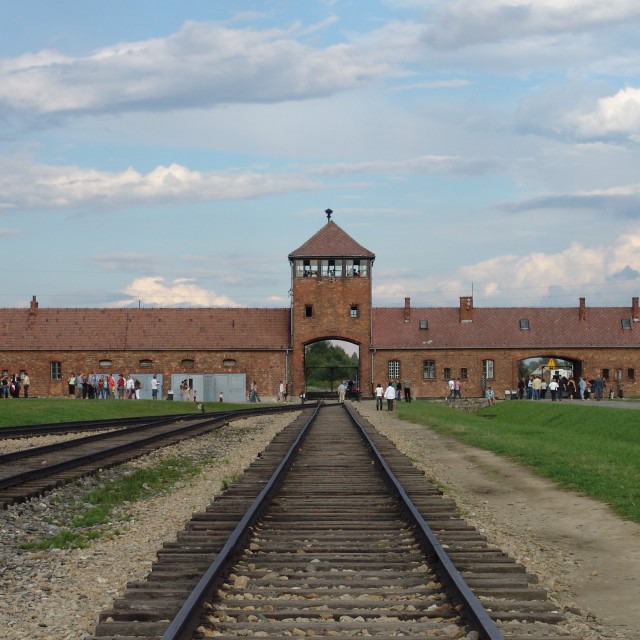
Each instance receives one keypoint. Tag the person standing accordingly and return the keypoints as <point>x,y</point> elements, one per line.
<point>390,395</point>
<point>72,385</point>
<point>406,383</point>
<point>26,383</point>
<point>553,388</point>
<point>582,386</point>
<point>598,387</point>
<point>379,393</point>
<point>154,387</point>
<point>342,392</point>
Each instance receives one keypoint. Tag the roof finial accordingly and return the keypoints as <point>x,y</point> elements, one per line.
<point>328,212</point>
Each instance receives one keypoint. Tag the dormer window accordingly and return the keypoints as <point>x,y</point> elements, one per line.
<point>424,324</point>
<point>626,324</point>
<point>524,325</point>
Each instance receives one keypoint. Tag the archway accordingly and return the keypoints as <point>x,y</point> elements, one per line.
<point>329,362</point>
<point>548,367</point>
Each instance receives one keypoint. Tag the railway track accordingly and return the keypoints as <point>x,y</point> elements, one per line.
<point>28,473</point>
<point>321,538</point>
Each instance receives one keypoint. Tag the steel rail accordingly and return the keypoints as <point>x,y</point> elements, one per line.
<point>188,617</point>
<point>472,609</point>
<point>45,470</point>
<point>59,428</point>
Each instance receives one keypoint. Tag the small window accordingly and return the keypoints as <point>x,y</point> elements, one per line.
<point>487,369</point>
<point>394,369</point>
<point>105,363</point>
<point>354,311</point>
<point>56,370</point>
<point>463,374</point>
<point>187,363</point>
<point>618,375</point>
<point>308,311</point>
<point>447,373</point>
<point>5,373</point>
<point>626,324</point>
<point>424,324</point>
<point>631,374</point>
<point>605,374</point>
<point>145,363</point>
<point>524,324</point>
<point>429,369</point>
<point>229,362</point>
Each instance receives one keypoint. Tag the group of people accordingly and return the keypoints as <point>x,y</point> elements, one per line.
<point>104,387</point>
<point>10,387</point>
<point>561,387</point>
<point>392,393</point>
<point>455,388</point>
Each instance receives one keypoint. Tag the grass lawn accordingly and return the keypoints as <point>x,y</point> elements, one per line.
<point>25,411</point>
<point>592,450</point>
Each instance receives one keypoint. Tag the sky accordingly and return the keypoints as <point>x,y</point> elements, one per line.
<point>161,154</point>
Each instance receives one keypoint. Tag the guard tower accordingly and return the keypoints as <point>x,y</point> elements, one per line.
<point>331,298</point>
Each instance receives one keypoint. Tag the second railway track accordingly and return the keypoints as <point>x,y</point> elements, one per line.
<point>332,552</point>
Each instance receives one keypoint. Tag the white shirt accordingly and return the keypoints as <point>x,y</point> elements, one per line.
<point>390,393</point>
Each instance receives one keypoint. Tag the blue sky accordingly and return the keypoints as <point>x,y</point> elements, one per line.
<point>174,153</point>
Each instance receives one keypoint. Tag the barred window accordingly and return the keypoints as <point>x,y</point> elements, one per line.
<point>56,370</point>
<point>429,369</point>
<point>447,373</point>
<point>394,369</point>
<point>464,374</point>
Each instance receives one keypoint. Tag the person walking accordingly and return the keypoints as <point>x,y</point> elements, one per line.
<point>379,393</point>
<point>390,395</point>
<point>342,391</point>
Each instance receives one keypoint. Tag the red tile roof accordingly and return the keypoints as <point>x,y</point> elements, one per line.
<point>143,329</point>
<point>331,242</point>
<point>500,328</point>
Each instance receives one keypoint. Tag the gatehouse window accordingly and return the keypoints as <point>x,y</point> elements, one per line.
<point>429,369</point>
<point>105,363</point>
<point>308,311</point>
<point>618,375</point>
<point>631,374</point>
<point>487,369</point>
<point>447,373</point>
<point>464,374</point>
<point>331,268</point>
<point>187,363</point>
<point>357,268</point>
<point>145,363</point>
<point>394,369</point>
<point>229,362</point>
<point>354,311</point>
<point>605,374</point>
<point>56,370</point>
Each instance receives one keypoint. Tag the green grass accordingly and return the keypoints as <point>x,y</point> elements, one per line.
<point>589,449</point>
<point>92,515</point>
<point>29,411</point>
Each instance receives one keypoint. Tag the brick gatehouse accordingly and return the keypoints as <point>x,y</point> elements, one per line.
<point>223,350</point>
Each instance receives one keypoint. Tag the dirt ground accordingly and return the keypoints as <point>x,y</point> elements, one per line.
<point>587,557</point>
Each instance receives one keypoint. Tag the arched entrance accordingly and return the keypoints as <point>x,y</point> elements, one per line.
<point>327,364</point>
<point>548,367</point>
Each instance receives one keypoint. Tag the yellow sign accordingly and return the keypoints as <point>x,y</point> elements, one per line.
<point>551,364</point>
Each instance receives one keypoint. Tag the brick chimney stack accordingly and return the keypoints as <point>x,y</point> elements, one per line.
<point>407,309</point>
<point>466,309</point>
<point>635,309</point>
<point>33,307</point>
<point>582,311</point>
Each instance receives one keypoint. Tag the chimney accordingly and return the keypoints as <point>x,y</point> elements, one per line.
<point>582,310</point>
<point>466,309</point>
<point>635,309</point>
<point>407,309</point>
<point>33,307</point>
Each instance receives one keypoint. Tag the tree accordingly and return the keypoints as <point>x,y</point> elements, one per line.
<point>325,363</point>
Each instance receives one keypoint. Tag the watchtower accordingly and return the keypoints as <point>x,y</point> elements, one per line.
<point>331,276</point>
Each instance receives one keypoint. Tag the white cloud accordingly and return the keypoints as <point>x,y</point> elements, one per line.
<point>153,291</point>
<point>201,65</point>
<point>604,272</point>
<point>616,114</point>
<point>23,185</point>
<point>460,23</point>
